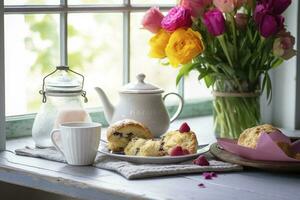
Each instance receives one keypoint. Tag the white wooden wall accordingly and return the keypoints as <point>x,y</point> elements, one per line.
<point>2,80</point>
<point>284,110</point>
<point>285,79</point>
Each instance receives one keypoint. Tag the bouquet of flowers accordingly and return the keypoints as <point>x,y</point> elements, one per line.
<point>232,44</point>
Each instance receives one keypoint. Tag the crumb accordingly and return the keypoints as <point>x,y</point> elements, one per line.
<point>213,174</point>
<point>201,185</point>
<point>209,175</point>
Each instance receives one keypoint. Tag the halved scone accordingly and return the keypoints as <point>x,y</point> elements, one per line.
<point>120,133</point>
<point>143,147</point>
<point>186,140</point>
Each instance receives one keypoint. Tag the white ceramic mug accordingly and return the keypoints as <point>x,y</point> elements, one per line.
<point>78,142</point>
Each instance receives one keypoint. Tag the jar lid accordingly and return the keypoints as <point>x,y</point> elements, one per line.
<point>63,83</point>
<point>141,87</point>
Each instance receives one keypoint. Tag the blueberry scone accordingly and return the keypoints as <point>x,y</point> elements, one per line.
<point>250,136</point>
<point>183,138</point>
<point>120,133</point>
<point>145,147</point>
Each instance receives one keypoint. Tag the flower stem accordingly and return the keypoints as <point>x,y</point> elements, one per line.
<point>224,47</point>
<point>232,23</point>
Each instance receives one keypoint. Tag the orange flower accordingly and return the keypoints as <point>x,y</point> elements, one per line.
<point>183,46</point>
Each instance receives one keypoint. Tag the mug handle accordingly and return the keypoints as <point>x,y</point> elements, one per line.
<point>52,135</point>
<point>179,109</point>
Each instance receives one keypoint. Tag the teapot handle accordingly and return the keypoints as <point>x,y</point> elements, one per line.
<point>179,109</point>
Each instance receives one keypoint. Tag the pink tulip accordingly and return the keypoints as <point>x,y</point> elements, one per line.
<point>227,6</point>
<point>239,3</point>
<point>283,45</point>
<point>197,7</point>
<point>152,20</point>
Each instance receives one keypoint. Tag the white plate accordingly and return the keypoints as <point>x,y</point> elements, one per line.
<point>155,160</point>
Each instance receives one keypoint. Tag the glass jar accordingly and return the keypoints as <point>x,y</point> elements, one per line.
<point>62,102</point>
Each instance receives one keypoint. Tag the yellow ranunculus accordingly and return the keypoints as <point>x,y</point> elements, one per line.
<point>183,46</point>
<point>158,44</point>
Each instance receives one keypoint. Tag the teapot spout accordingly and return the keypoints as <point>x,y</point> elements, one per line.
<point>108,107</point>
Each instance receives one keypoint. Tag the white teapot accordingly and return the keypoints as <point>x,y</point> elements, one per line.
<point>142,102</point>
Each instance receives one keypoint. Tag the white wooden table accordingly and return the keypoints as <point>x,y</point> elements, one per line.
<point>93,183</point>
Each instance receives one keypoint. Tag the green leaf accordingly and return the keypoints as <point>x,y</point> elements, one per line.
<point>245,58</point>
<point>264,83</point>
<point>277,62</point>
<point>269,88</point>
<point>267,84</point>
<point>209,80</point>
<point>252,76</point>
<point>178,78</point>
<point>203,73</point>
<point>185,69</point>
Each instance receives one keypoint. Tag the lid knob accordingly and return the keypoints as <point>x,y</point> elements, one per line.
<point>141,77</point>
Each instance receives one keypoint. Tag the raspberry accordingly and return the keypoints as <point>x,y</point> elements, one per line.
<point>201,160</point>
<point>201,185</point>
<point>185,151</point>
<point>177,151</point>
<point>184,128</point>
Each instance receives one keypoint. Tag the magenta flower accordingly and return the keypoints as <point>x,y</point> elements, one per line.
<point>152,20</point>
<point>260,11</point>
<point>277,7</point>
<point>268,26</point>
<point>214,22</point>
<point>197,7</point>
<point>176,18</point>
<point>268,22</point>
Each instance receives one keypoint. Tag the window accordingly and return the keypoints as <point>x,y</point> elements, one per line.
<point>101,39</point>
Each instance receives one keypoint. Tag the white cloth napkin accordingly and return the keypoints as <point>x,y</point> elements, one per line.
<point>132,170</point>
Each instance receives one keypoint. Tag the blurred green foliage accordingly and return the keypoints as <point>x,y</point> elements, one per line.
<point>43,29</point>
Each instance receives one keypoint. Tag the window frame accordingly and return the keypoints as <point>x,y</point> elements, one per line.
<point>18,126</point>
<point>297,106</point>
<point>2,80</point>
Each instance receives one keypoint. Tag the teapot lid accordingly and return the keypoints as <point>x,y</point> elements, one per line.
<point>141,87</point>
